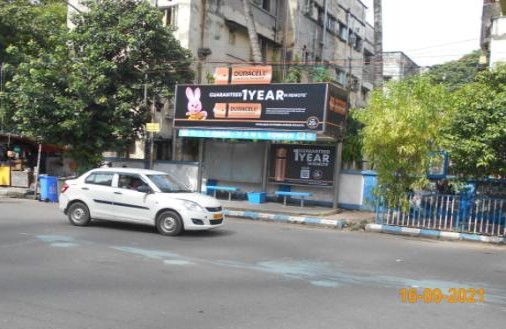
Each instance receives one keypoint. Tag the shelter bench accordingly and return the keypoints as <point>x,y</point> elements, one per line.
<point>286,194</point>
<point>228,189</point>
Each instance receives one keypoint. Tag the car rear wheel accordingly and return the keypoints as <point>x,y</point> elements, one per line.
<point>169,223</point>
<point>78,214</point>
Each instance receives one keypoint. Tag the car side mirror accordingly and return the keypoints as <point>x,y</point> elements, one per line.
<point>144,189</point>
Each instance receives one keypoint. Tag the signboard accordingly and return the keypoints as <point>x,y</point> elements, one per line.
<point>337,109</point>
<point>249,134</point>
<point>153,127</point>
<point>302,164</point>
<point>221,75</point>
<point>438,165</point>
<point>243,75</point>
<point>273,107</point>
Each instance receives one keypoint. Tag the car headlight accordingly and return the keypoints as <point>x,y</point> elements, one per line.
<point>193,206</point>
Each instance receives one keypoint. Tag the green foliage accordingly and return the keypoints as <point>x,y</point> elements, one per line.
<point>402,125</point>
<point>352,143</point>
<point>87,90</point>
<point>294,74</point>
<point>476,137</point>
<point>457,73</point>
<point>25,28</point>
<point>320,74</point>
<point>210,78</point>
<point>25,23</point>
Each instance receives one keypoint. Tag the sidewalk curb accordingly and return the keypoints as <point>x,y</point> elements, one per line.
<point>285,218</point>
<point>416,232</point>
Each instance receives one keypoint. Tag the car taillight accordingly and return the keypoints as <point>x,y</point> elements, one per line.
<point>64,187</point>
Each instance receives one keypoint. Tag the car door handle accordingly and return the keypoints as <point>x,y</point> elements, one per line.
<point>118,192</point>
<point>84,188</point>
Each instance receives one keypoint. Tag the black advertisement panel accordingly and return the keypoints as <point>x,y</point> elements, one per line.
<point>292,107</point>
<point>302,164</point>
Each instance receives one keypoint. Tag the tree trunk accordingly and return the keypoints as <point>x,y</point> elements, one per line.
<point>252,31</point>
<point>378,44</point>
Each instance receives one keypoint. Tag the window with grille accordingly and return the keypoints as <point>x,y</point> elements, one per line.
<point>169,16</point>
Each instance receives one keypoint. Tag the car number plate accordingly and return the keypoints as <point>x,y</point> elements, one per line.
<point>217,216</point>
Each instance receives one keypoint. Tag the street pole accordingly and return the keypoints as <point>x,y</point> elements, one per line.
<point>152,147</point>
<point>146,106</point>
<point>37,171</point>
<point>337,173</point>
<point>2,97</point>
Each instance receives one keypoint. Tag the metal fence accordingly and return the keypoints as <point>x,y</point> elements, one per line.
<point>458,213</point>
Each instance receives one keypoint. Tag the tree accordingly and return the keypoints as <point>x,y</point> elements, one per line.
<point>87,91</point>
<point>252,31</point>
<point>402,125</point>
<point>476,136</point>
<point>25,27</point>
<point>457,73</point>
<point>352,143</point>
<point>24,21</point>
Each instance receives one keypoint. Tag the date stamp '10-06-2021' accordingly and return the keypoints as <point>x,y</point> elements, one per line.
<point>436,295</point>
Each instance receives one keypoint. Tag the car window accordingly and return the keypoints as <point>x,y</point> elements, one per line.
<point>100,178</point>
<point>130,181</point>
<point>168,184</point>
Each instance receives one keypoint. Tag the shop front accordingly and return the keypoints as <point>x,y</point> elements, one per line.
<point>19,157</point>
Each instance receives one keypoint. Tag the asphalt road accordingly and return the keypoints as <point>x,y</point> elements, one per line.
<point>249,274</point>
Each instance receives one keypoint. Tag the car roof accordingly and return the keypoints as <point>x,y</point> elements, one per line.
<point>128,170</point>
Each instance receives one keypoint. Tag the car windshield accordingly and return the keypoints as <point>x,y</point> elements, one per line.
<point>168,184</point>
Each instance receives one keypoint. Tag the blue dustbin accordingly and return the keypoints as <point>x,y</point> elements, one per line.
<point>48,188</point>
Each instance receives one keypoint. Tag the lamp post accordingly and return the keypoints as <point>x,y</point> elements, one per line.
<point>152,142</point>
<point>144,69</point>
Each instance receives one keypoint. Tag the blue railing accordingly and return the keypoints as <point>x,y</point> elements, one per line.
<point>460,213</point>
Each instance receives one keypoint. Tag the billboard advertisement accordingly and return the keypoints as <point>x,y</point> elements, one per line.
<point>279,107</point>
<point>243,75</point>
<point>337,109</point>
<point>302,164</point>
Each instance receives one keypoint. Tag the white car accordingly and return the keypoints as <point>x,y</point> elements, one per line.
<point>138,196</point>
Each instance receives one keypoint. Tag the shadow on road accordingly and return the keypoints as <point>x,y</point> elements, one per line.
<point>151,229</point>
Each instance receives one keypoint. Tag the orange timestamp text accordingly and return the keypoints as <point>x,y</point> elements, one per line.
<point>436,295</point>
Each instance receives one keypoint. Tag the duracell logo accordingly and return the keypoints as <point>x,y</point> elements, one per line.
<point>238,110</point>
<point>337,105</point>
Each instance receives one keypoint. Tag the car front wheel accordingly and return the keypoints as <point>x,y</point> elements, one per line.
<point>169,223</point>
<point>78,214</point>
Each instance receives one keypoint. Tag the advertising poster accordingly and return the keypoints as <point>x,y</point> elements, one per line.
<point>302,164</point>
<point>337,109</point>
<point>243,75</point>
<point>438,165</point>
<point>288,107</point>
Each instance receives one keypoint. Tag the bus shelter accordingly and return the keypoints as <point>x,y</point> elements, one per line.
<point>286,134</point>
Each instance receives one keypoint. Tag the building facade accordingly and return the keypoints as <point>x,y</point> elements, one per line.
<point>335,35</point>
<point>397,66</point>
<point>493,32</point>
<point>332,34</point>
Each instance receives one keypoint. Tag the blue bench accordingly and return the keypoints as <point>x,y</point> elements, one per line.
<point>285,194</point>
<point>228,189</point>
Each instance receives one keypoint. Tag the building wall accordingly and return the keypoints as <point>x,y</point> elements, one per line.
<point>396,66</point>
<point>219,27</point>
<point>498,41</point>
<point>308,41</point>
<point>491,9</point>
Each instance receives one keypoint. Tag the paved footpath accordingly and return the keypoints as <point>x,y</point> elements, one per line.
<point>342,219</point>
<point>318,216</point>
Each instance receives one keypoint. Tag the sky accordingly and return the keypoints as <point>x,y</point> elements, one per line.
<point>430,31</point>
